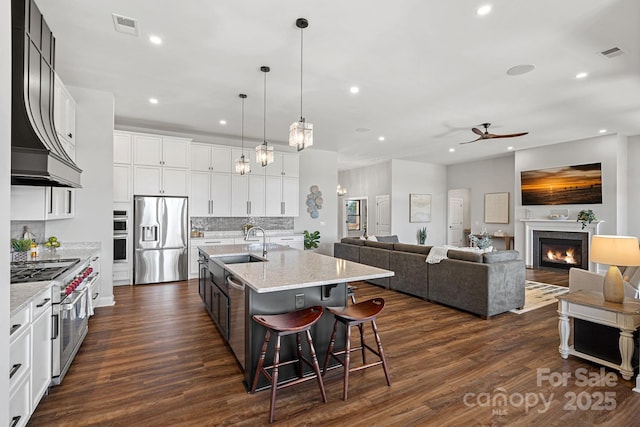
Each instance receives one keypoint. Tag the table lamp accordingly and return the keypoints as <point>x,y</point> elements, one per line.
<point>614,250</point>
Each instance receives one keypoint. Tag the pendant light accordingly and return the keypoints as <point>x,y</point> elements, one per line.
<point>243,166</point>
<point>301,132</point>
<point>264,153</point>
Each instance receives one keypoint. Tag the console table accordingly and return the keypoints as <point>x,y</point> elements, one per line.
<point>591,307</point>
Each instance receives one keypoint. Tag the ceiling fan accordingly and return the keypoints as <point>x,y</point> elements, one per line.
<point>487,135</point>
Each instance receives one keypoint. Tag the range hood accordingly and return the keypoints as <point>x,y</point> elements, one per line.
<point>37,156</point>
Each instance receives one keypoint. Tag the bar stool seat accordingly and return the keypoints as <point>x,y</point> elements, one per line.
<point>294,322</point>
<point>356,315</point>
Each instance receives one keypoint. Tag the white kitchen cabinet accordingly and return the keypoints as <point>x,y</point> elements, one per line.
<point>210,194</point>
<point>151,180</point>
<point>122,147</point>
<point>41,327</point>
<point>284,164</point>
<point>282,196</point>
<point>121,183</point>
<point>41,203</point>
<point>193,251</point>
<point>212,158</point>
<point>64,117</point>
<point>94,286</point>
<point>150,150</point>
<point>248,195</point>
<point>293,241</point>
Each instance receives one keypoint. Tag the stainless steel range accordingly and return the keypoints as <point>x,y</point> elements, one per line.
<point>71,279</point>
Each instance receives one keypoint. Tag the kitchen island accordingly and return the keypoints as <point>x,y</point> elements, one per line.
<point>237,281</point>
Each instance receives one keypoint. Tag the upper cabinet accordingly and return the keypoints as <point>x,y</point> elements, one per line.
<point>41,203</point>
<point>284,164</point>
<point>122,147</point>
<point>151,150</point>
<point>211,158</point>
<point>64,117</point>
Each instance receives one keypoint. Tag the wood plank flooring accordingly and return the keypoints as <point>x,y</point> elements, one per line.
<point>156,359</point>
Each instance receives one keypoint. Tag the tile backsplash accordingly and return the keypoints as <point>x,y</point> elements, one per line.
<point>37,228</point>
<point>236,223</point>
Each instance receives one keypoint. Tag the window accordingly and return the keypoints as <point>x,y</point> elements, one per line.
<point>353,215</point>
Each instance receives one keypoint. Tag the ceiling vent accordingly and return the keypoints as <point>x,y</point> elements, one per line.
<point>612,53</point>
<point>125,25</point>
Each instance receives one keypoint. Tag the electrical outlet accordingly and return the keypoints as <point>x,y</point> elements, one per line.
<point>300,301</point>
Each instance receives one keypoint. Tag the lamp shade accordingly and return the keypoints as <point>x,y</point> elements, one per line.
<point>615,250</point>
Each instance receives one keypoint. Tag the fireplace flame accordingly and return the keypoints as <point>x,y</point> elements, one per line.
<point>566,257</point>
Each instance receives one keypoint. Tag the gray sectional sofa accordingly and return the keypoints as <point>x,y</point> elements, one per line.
<point>483,284</point>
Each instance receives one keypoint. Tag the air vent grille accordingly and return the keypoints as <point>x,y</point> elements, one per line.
<point>125,25</point>
<point>613,52</point>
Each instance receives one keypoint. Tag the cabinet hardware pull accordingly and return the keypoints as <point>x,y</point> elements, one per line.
<point>14,369</point>
<point>95,297</point>
<point>46,300</point>
<point>249,207</point>
<point>95,259</point>
<point>282,208</point>
<point>15,328</point>
<point>15,420</point>
<point>54,325</point>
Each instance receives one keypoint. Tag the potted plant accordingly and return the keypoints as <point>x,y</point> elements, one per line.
<point>422,235</point>
<point>311,239</point>
<point>20,248</point>
<point>586,216</point>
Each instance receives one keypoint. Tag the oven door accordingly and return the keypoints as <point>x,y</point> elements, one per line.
<point>120,226</point>
<point>120,248</point>
<point>73,325</point>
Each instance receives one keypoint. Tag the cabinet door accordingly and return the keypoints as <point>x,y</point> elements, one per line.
<point>291,196</point>
<point>275,168</point>
<point>256,195</point>
<point>29,203</point>
<point>60,203</point>
<point>175,182</point>
<point>147,151</point>
<point>147,180</point>
<point>240,191</point>
<point>175,153</point>
<point>121,147</point>
<point>121,183</point>
<point>290,165</point>
<point>41,356</point>
<point>201,157</point>
<point>221,194</point>
<point>221,160</point>
<point>199,196</point>
<point>273,196</point>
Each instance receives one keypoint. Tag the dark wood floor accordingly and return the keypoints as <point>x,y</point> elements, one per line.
<point>155,359</point>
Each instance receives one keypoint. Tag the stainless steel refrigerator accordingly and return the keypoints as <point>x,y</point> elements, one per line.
<point>160,239</point>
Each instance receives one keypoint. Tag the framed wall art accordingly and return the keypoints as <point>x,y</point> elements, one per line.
<point>496,208</point>
<point>419,207</point>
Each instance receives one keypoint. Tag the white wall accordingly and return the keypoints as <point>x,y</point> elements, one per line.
<point>485,176</point>
<point>318,167</point>
<point>420,178</point>
<point>633,187</point>
<point>94,202</point>
<point>5,199</point>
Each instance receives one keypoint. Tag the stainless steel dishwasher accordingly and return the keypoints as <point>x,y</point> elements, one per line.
<point>236,318</point>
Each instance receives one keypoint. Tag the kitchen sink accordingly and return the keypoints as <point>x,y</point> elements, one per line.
<point>239,259</point>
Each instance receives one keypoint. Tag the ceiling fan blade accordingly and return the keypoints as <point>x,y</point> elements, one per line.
<point>511,135</point>
<point>477,132</point>
<point>469,142</point>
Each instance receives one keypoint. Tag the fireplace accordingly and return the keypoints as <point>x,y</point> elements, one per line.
<point>560,250</point>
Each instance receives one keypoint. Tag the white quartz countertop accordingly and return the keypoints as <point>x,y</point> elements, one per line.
<point>82,253</point>
<point>289,268</point>
<point>23,293</point>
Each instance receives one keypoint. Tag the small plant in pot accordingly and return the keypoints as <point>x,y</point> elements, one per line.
<point>422,235</point>
<point>311,240</point>
<point>20,248</point>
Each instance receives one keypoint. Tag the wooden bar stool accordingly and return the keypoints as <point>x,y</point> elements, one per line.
<point>280,325</point>
<point>356,315</point>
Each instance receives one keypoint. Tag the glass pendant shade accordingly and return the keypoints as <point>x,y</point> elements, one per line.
<point>264,154</point>
<point>301,134</point>
<point>243,166</point>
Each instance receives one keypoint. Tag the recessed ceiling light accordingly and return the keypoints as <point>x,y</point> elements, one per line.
<point>381,138</point>
<point>354,89</point>
<point>602,131</point>
<point>153,100</point>
<point>483,10</point>
<point>581,75</point>
<point>155,40</point>
<point>520,69</point>
<point>223,122</point>
<point>509,148</point>
<point>451,150</point>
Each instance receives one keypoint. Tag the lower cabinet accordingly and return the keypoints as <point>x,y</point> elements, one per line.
<point>294,241</point>
<point>193,252</point>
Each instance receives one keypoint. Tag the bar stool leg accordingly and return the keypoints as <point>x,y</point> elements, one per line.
<point>347,360</point>
<point>364,354</point>
<point>263,352</point>
<point>330,350</point>
<point>299,343</point>
<point>316,366</point>
<point>379,343</point>
<point>274,378</point>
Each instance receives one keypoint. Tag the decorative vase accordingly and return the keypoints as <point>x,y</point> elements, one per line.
<point>20,256</point>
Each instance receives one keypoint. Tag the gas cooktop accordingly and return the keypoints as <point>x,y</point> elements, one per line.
<point>38,271</point>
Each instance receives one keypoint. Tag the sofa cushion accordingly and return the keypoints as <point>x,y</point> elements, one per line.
<point>380,245</point>
<point>500,256</point>
<point>472,256</point>
<point>388,239</point>
<point>416,249</point>
<point>352,241</point>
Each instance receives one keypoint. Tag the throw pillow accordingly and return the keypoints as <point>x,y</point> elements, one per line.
<point>372,238</point>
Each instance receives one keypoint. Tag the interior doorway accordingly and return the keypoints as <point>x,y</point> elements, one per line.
<point>457,214</point>
<point>354,217</point>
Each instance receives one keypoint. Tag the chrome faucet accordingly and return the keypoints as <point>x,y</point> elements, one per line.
<point>264,238</point>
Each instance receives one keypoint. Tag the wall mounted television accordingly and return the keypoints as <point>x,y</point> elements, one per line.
<point>567,185</point>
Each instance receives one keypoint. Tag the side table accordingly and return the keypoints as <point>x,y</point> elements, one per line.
<point>591,307</point>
